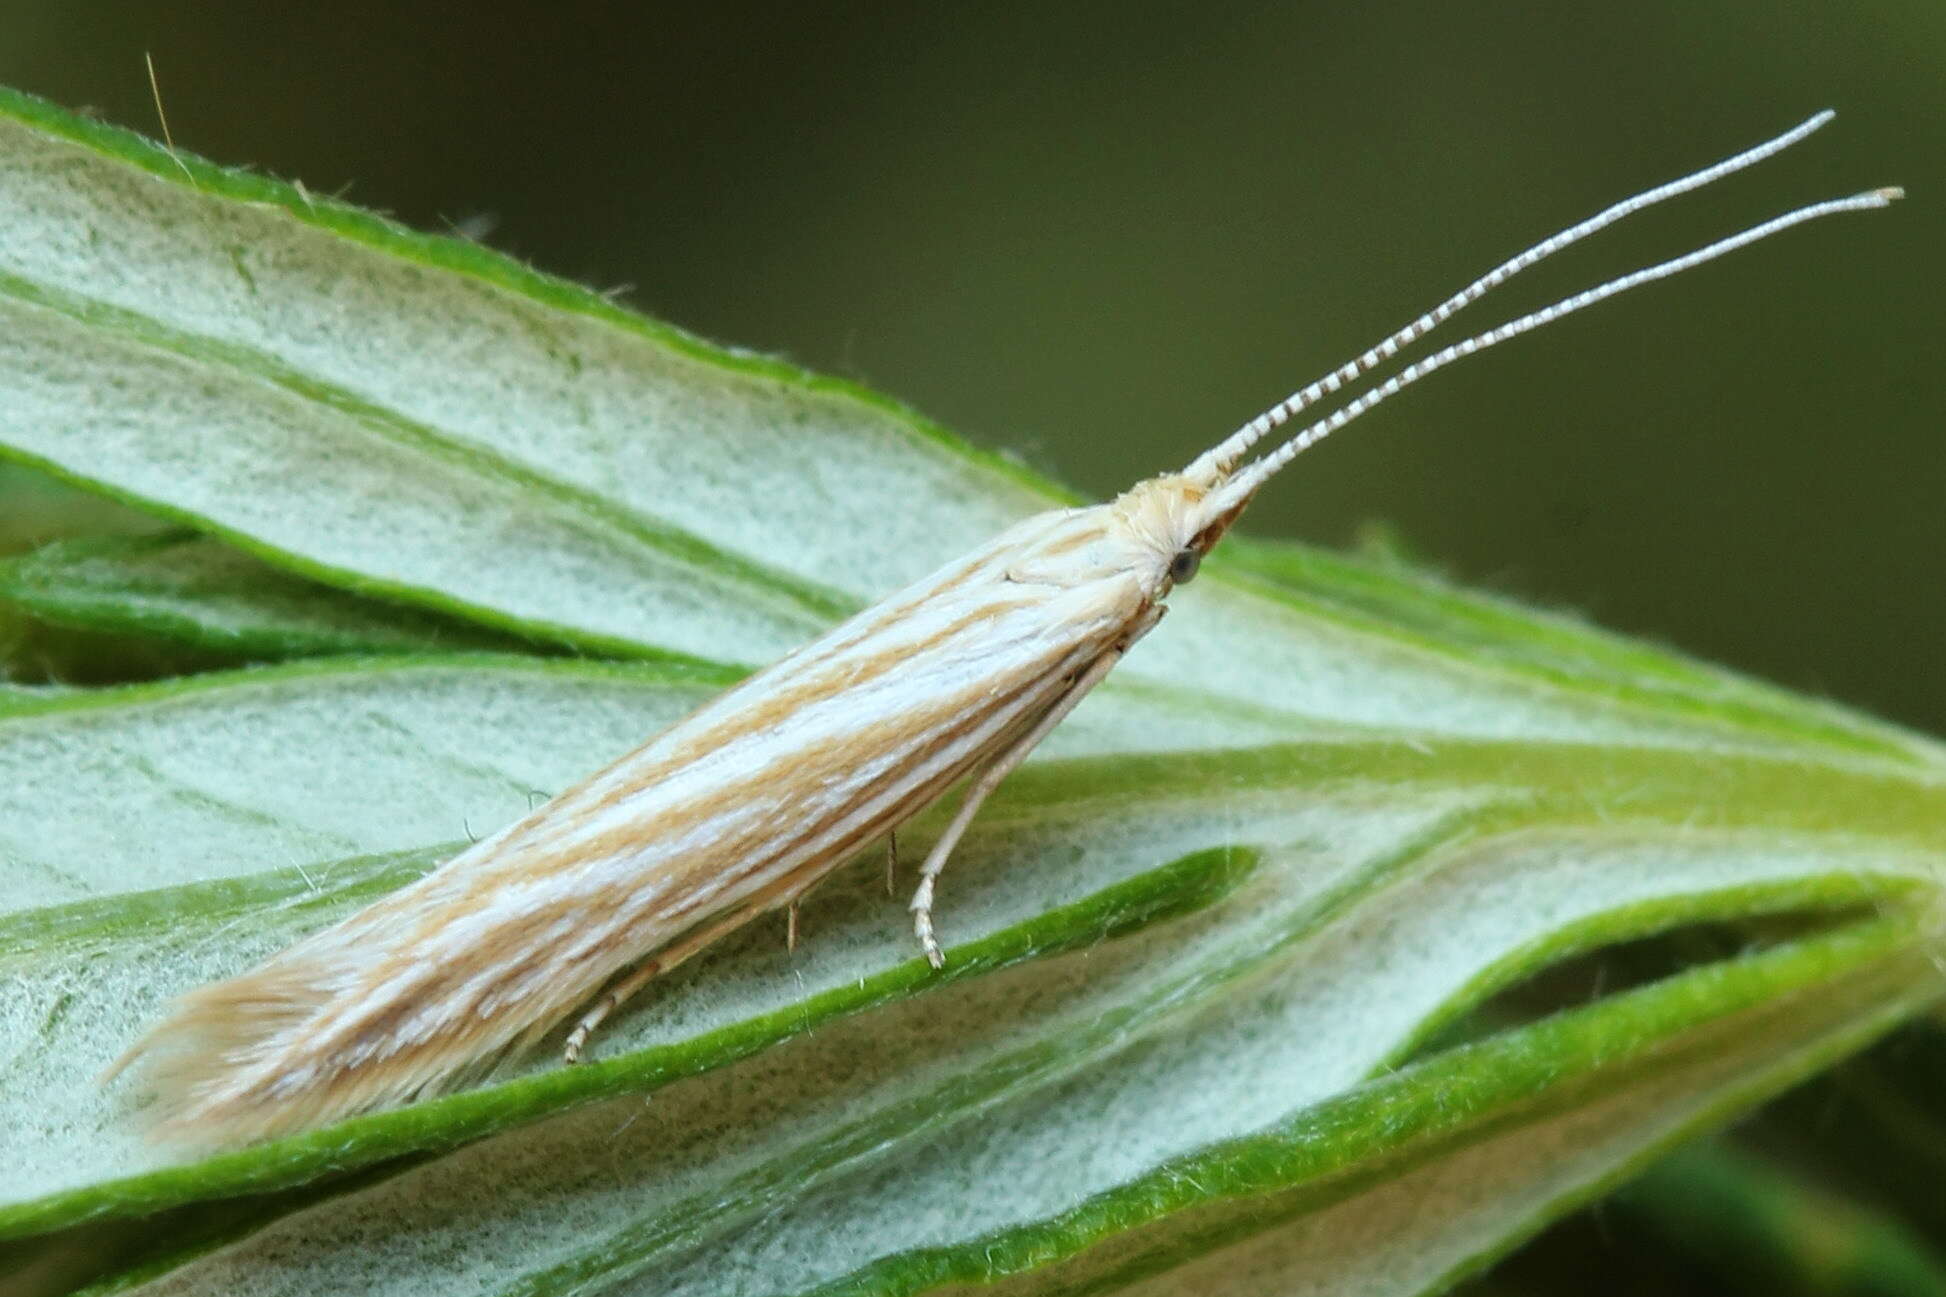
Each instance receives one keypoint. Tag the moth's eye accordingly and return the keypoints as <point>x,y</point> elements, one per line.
<point>1183,566</point>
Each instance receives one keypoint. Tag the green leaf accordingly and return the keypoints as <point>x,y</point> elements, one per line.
<point>604,481</point>
<point>188,589</point>
<point>1555,648</point>
<point>956,1167</point>
<point>293,766</point>
<point>1206,951</point>
<point>35,509</point>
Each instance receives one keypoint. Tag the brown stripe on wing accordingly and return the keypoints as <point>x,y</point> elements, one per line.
<point>847,672</point>
<point>951,717</point>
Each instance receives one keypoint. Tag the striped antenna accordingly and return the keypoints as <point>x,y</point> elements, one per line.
<point>1221,458</point>
<point>1240,488</point>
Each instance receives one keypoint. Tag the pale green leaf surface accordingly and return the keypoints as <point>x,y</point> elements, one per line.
<point>185,781</point>
<point>906,1158</point>
<point>1547,646</point>
<point>1323,811</point>
<point>1420,1230</point>
<point>161,784</point>
<point>411,420</point>
<point>420,418</point>
<point>1477,864</point>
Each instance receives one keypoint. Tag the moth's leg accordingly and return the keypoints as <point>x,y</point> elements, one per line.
<point>983,784</point>
<point>655,965</point>
<point>790,928</point>
<point>892,862</point>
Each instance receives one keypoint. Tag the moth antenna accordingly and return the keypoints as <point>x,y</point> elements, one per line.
<point>1222,457</point>
<point>1241,487</point>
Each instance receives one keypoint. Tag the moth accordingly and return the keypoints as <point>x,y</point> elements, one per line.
<point>743,806</point>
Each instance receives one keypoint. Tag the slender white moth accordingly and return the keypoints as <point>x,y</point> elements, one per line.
<point>750,801</point>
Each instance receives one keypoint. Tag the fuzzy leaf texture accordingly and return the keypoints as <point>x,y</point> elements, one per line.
<point>1212,1016</point>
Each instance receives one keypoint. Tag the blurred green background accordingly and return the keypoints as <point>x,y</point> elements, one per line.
<point>1099,236</point>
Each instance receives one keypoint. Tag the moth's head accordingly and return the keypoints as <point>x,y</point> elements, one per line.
<point>1177,518</point>
<point>1173,521</point>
